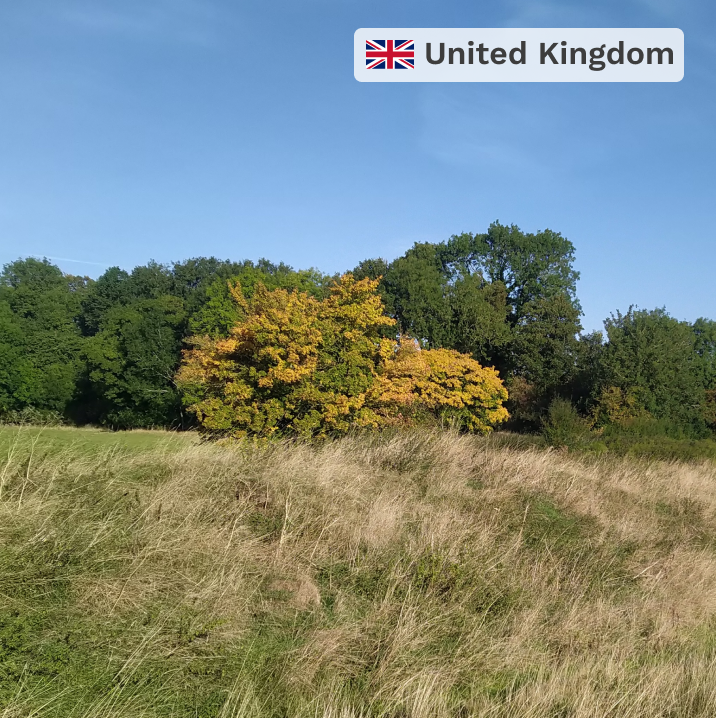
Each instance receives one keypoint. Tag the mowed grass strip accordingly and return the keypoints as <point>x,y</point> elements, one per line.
<point>90,439</point>
<point>404,574</point>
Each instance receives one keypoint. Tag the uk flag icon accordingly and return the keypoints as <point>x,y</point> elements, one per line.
<point>390,54</point>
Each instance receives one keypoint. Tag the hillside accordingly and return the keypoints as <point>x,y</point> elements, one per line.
<point>408,574</point>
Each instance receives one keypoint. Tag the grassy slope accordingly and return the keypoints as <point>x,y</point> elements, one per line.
<point>422,574</point>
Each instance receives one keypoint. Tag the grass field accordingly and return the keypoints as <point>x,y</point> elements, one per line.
<point>88,440</point>
<point>417,574</point>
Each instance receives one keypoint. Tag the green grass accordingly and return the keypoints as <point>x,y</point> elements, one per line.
<point>661,448</point>
<point>409,574</point>
<point>86,440</point>
<point>52,651</point>
<point>644,438</point>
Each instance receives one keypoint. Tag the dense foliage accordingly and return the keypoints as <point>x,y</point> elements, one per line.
<point>319,367</point>
<point>107,351</point>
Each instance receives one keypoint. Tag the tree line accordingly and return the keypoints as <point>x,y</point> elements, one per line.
<point>108,351</point>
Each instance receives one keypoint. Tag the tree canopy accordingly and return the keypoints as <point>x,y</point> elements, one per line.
<point>320,367</point>
<point>650,363</point>
<point>107,351</point>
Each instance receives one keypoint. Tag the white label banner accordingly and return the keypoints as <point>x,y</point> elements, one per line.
<point>519,55</point>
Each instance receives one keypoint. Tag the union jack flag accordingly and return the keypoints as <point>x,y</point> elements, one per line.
<point>390,54</point>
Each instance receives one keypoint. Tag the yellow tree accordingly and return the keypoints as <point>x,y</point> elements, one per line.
<point>292,363</point>
<point>317,368</point>
<point>444,383</point>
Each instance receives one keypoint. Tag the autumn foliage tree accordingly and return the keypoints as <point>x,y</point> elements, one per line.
<point>295,363</point>
<point>444,383</point>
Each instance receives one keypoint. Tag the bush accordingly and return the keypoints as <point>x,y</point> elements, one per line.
<point>639,436</point>
<point>445,384</point>
<point>564,427</point>
<point>32,415</point>
<point>297,364</point>
<point>656,440</point>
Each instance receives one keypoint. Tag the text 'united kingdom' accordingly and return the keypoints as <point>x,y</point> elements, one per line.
<point>519,55</point>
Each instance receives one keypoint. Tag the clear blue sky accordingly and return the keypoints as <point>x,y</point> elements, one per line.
<point>166,129</point>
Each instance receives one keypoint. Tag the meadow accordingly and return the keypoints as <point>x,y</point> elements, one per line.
<point>405,574</point>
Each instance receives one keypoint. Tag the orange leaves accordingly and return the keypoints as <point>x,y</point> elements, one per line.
<point>317,368</point>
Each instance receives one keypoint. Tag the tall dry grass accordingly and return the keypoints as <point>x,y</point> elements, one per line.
<point>415,574</point>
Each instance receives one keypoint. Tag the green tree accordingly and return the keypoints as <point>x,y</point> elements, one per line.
<point>40,336</point>
<point>19,380</point>
<point>705,347</point>
<point>479,319</point>
<point>507,297</point>
<point>587,375</point>
<point>110,290</point>
<point>418,290</point>
<point>545,344</point>
<point>439,292</point>
<point>116,288</point>
<point>530,266</point>
<point>151,281</point>
<point>219,311</point>
<point>371,269</point>
<point>137,322</point>
<point>650,358</point>
<point>131,362</point>
<point>192,278</point>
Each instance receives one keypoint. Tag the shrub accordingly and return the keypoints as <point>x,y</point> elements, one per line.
<point>297,364</point>
<point>619,406</point>
<point>446,384</point>
<point>526,405</point>
<point>31,415</point>
<point>564,427</point>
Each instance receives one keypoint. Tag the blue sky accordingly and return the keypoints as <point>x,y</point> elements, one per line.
<point>164,129</point>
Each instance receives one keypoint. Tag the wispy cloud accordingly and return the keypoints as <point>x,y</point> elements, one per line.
<point>523,131</point>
